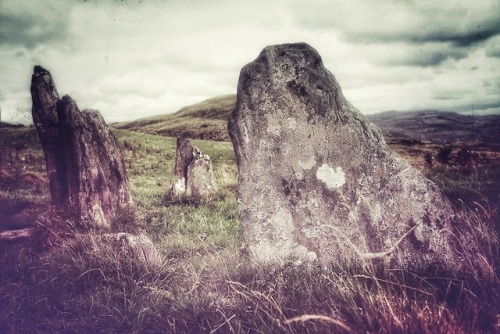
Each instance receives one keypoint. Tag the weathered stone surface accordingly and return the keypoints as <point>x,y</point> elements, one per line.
<point>45,97</point>
<point>193,172</point>
<point>318,182</point>
<point>84,162</point>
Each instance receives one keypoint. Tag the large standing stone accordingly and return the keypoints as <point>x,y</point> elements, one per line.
<point>84,162</point>
<point>193,172</point>
<point>318,182</point>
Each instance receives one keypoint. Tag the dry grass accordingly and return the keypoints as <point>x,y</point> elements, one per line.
<point>206,286</point>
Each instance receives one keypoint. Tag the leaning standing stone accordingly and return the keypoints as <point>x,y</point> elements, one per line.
<point>45,97</point>
<point>85,166</point>
<point>318,182</point>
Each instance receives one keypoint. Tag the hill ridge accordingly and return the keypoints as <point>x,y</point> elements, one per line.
<point>208,120</point>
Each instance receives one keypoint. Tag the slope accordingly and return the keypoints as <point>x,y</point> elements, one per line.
<point>208,120</point>
<point>205,120</point>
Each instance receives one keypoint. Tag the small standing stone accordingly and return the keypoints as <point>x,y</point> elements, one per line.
<point>193,172</point>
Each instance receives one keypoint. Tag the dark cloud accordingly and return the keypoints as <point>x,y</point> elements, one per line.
<point>434,55</point>
<point>31,26</point>
<point>436,33</point>
<point>481,106</point>
<point>411,21</point>
<point>472,36</point>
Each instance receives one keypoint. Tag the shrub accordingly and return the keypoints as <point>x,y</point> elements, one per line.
<point>444,154</point>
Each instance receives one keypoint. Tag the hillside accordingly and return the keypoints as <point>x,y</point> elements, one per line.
<point>205,120</point>
<point>8,125</point>
<point>438,126</point>
<point>208,120</point>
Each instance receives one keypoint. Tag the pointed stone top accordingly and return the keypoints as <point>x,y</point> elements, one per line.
<point>292,74</point>
<point>42,81</point>
<point>39,70</point>
<point>44,95</point>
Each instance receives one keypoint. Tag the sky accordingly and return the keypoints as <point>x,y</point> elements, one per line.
<point>133,59</point>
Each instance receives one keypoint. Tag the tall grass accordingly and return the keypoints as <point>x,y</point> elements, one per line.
<point>79,290</point>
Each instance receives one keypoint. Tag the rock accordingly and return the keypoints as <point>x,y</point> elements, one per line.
<point>193,172</point>
<point>200,179</point>
<point>84,162</point>
<point>138,246</point>
<point>45,97</point>
<point>317,182</point>
<point>95,169</point>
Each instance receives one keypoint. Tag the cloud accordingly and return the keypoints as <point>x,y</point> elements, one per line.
<point>34,23</point>
<point>492,48</point>
<point>462,23</point>
<point>131,59</point>
<point>430,55</point>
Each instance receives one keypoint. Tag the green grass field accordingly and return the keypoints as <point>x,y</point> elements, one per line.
<point>205,285</point>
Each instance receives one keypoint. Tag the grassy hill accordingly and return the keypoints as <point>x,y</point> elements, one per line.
<point>208,120</point>
<point>205,120</point>
<point>421,137</point>
<point>4,125</point>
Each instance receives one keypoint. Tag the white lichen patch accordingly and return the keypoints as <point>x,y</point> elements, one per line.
<point>332,178</point>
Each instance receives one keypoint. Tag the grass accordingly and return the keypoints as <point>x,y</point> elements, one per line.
<point>205,286</point>
<point>77,290</point>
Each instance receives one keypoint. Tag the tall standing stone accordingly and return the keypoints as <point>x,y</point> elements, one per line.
<point>318,182</point>
<point>45,97</point>
<point>84,162</point>
<point>193,172</point>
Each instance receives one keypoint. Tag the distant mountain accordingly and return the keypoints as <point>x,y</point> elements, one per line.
<point>208,120</point>
<point>438,126</point>
<point>8,125</point>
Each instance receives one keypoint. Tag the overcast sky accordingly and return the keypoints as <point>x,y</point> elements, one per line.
<point>131,59</point>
